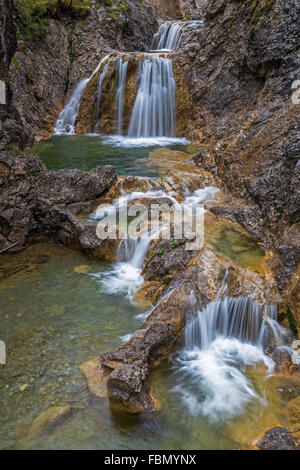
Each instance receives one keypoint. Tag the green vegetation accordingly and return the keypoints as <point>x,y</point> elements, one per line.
<point>15,63</point>
<point>115,8</point>
<point>33,15</point>
<point>31,20</point>
<point>257,9</point>
<point>279,212</point>
<point>158,252</point>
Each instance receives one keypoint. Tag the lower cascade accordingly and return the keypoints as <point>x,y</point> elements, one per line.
<point>221,342</point>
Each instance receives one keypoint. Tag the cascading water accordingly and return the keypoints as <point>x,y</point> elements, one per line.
<point>221,341</point>
<point>166,39</point>
<point>153,113</point>
<point>67,118</point>
<point>120,93</point>
<point>66,121</point>
<point>99,93</point>
<point>125,274</point>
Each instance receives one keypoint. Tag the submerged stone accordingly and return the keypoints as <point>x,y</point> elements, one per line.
<point>82,269</point>
<point>50,418</point>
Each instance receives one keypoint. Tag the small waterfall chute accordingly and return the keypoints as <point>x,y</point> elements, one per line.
<point>66,121</point>
<point>120,93</point>
<point>166,39</point>
<point>99,94</point>
<point>221,341</point>
<point>153,113</point>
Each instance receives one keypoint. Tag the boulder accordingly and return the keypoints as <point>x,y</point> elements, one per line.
<point>277,439</point>
<point>36,202</point>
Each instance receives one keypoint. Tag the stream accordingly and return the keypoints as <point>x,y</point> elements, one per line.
<point>218,389</point>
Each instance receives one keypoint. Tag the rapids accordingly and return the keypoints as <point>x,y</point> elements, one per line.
<point>218,390</point>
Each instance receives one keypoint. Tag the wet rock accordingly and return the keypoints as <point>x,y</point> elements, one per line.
<point>277,439</point>
<point>166,256</point>
<point>96,380</point>
<point>13,167</point>
<point>36,202</point>
<point>82,269</point>
<point>291,417</point>
<point>283,361</point>
<point>48,420</point>
<point>127,368</point>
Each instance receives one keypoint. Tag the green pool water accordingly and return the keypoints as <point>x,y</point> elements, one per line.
<point>86,152</point>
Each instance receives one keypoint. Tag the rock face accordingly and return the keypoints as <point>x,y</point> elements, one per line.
<point>37,202</point>
<point>38,81</point>
<point>241,68</point>
<point>43,76</point>
<point>277,439</point>
<point>7,36</point>
<point>127,368</point>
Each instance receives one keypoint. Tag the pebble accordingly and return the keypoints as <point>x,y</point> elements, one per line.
<point>23,387</point>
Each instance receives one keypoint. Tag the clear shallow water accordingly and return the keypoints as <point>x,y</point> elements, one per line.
<point>88,151</point>
<point>53,319</point>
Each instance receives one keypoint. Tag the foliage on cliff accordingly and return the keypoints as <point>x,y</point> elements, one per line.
<point>32,15</point>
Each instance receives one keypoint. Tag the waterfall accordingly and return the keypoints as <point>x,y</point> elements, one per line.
<point>66,121</point>
<point>99,94</point>
<point>121,74</point>
<point>239,318</point>
<point>166,38</point>
<point>221,342</point>
<point>153,113</point>
<point>125,275</point>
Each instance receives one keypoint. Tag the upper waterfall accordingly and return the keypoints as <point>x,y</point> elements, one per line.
<point>167,37</point>
<point>153,113</point>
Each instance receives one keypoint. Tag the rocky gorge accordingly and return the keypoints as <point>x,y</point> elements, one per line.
<point>228,83</point>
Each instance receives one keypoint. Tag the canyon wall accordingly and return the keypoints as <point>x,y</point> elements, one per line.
<point>241,69</point>
<point>42,75</point>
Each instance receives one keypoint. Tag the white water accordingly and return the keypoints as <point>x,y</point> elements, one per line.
<point>66,121</point>
<point>67,118</point>
<point>120,93</point>
<point>125,275</point>
<point>132,142</point>
<point>153,114</point>
<point>99,94</point>
<point>221,341</point>
<point>167,37</point>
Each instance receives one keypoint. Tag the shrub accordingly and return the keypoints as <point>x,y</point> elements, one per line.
<point>33,25</point>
